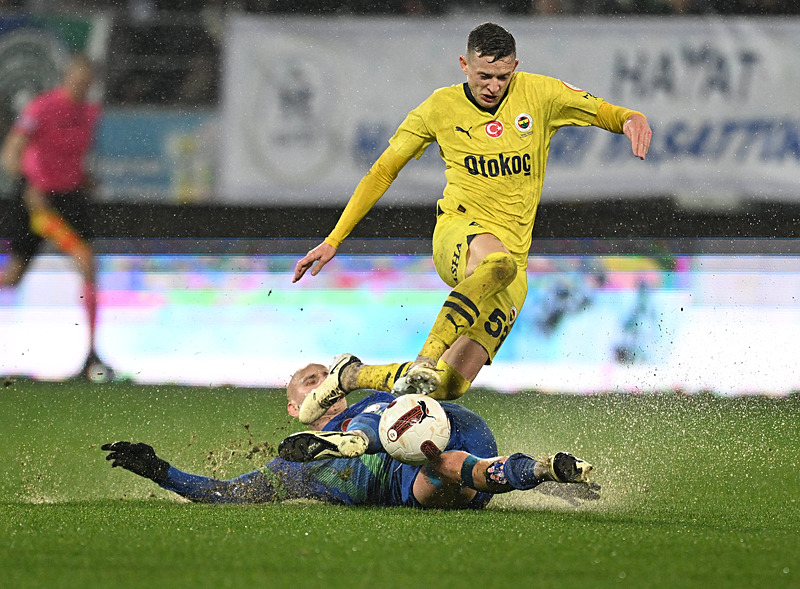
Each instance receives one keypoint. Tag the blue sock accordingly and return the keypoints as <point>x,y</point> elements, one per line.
<point>519,472</point>
<point>368,423</point>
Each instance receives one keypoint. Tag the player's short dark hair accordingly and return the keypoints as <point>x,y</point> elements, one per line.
<point>491,40</point>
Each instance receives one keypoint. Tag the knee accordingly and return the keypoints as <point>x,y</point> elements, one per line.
<point>501,266</point>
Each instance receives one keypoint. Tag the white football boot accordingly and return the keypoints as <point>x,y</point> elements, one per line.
<point>322,398</point>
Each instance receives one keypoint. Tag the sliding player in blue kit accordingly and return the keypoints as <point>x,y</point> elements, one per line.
<point>342,462</point>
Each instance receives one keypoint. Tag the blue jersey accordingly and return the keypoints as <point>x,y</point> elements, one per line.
<point>371,479</point>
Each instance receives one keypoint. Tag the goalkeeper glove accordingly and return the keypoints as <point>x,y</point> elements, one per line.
<point>138,458</point>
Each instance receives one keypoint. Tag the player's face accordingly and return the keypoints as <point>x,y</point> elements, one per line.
<point>302,383</point>
<point>488,80</point>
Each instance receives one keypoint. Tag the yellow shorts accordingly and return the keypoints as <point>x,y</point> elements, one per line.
<point>451,239</point>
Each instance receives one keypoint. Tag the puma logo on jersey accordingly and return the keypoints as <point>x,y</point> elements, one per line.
<point>465,132</point>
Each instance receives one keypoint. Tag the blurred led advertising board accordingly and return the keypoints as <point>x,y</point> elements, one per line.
<point>628,322</point>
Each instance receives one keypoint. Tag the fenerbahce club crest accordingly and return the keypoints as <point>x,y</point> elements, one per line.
<point>523,122</point>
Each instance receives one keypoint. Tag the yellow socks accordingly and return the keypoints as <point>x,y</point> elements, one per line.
<point>453,385</point>
<point>380,377</point>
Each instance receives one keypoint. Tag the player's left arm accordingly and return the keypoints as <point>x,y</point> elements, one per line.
<point>632,123</point>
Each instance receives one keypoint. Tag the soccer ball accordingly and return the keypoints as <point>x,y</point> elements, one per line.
<point>414,429</point>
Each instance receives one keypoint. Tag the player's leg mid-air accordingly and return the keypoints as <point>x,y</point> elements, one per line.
<point>490,275</point>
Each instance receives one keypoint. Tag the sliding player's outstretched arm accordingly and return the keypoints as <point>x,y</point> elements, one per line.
<point>371,188</point>
<point>141,459</point>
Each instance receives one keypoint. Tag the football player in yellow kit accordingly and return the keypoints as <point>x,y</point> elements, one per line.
<point>494,135</point>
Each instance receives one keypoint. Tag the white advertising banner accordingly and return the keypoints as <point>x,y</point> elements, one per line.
<point>310,103</point>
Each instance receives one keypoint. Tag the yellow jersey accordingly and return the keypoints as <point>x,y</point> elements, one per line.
<point>495,163</point>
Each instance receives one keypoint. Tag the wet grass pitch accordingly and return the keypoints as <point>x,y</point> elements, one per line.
<point>696,491</point>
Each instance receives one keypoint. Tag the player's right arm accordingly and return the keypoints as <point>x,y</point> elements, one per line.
<point>141,459</point>
<point>371,188</point>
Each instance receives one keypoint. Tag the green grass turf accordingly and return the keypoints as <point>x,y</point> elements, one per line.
<point>697,492</point>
